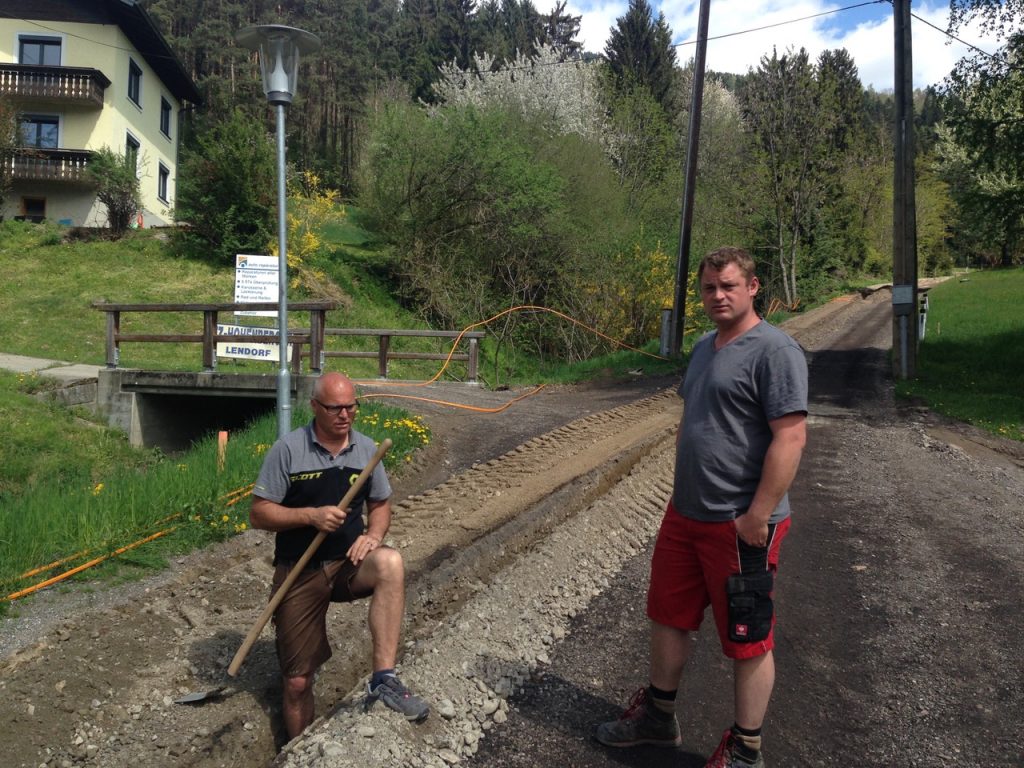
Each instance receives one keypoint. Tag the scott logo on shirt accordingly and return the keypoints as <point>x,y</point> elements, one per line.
<point>305,476</point>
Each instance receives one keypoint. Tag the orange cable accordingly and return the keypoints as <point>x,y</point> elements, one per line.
<point>233,497</point>
<point>78,569</point>
<point>476,408</point>
<point>531,307</point>
<point>242,493</point>
<point>49,566</point>
<point>238,498</point>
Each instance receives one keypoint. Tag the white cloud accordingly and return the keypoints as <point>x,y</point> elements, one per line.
<point>869,41</point>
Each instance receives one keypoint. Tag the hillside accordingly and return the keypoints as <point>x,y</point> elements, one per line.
<point>49,316</point>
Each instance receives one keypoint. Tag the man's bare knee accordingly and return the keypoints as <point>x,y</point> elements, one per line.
<point>388,565</point>
<point>296,686</point>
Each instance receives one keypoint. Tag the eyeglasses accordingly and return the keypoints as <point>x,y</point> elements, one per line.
<point>334,410</point>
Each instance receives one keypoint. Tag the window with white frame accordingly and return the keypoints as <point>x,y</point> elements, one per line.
<point>165,117</point>
<point>134,82</point>
<point>163,178</point>
<point>39,50</point>
<point>40,131</point>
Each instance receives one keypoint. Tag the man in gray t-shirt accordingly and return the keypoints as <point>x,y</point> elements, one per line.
<point>732,394</point>
<point>304,476</point>
<point>737,451</point>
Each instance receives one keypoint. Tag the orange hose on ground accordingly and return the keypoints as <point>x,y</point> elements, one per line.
<point>54,564</point>
<point>95,561</point>
<point>522,307</point>
<point>476,408</point>
<point>240,493</point>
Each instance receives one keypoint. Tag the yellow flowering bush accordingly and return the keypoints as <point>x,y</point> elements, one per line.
<point>311,206</point>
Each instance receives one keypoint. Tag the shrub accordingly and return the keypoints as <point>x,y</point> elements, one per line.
<point>117,185</point>
<point>227,198</point>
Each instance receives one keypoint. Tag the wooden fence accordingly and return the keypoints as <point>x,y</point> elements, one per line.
<point>306,343</point>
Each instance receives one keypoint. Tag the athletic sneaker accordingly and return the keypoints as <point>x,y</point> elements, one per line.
<point>399,698</point>
<point>725,756</point>
<point>641,723</point>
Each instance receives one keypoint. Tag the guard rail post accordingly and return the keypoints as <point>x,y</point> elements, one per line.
<point>382,360</point>
<point>474,358</point>
<point>113,345</point>
<point>209,348</point>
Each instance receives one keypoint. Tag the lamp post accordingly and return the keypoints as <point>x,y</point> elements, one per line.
<point>279,50</point>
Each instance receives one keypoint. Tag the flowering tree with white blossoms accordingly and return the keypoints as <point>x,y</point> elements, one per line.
<point>563,94</point>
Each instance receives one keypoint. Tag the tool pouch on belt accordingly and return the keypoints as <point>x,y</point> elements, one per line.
<point>750,606</point>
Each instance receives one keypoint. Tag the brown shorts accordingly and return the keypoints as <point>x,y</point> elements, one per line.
<point>301,618</point>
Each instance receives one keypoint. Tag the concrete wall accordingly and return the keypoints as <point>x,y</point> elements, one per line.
<point>171,410</point>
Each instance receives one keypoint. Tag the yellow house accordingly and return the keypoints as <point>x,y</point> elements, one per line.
<point>84,74</point>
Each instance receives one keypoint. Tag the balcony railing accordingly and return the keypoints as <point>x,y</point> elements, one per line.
<point>29,163</point>
<point>62,85</point>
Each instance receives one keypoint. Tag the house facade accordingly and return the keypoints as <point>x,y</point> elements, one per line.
<point>83,75</point>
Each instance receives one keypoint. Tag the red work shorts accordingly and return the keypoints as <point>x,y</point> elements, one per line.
<point>301,618</point>
<point>691,564</point>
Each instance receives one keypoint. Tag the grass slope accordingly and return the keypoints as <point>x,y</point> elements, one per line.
<point>971,361</point>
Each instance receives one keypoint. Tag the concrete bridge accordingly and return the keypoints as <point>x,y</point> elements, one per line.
<point>165,409</point>
<point>173,409</point>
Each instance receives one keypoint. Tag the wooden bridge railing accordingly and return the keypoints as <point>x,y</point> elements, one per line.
<point>384,352</point>
<point>312,337</point>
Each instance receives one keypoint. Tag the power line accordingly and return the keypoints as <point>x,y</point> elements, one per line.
<point>784,23</point>
<point>65,33</point>
<point>723,36</point>
<point>951,36</point>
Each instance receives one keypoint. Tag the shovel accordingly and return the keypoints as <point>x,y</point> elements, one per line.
<point>197,696</point>
<point>224,691</point>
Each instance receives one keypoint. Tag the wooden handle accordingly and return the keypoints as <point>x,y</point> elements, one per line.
<point>261,622</point>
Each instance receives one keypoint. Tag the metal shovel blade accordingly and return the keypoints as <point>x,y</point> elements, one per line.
<point>197,696</point>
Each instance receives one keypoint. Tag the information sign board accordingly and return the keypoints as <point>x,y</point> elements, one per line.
<point>256,279</point>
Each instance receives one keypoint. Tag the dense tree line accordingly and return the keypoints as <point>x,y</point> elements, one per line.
<point>507,166</point>
<point>371,48</point>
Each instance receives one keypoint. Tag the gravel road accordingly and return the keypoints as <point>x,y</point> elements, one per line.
<point>528,536</point>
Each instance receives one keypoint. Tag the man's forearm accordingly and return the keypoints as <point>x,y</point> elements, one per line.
<point>778,471</point>
<point>378,519</point>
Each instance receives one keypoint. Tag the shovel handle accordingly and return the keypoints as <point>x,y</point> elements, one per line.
<point>261,622</point>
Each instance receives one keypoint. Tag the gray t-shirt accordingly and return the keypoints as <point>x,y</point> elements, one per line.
<point>729,396</point>
<point>299,472</point>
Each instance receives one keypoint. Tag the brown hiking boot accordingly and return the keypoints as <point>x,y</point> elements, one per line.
<point>726,755</point>
<point>641,723</point>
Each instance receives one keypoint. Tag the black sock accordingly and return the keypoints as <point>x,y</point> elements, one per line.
<point>663,701</point>
<point>747,742</point>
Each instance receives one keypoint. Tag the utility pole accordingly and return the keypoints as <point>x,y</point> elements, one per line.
<point>678,318</point>
<point>904,218</point>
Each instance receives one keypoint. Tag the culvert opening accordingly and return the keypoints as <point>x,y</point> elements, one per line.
<point>173,423</point>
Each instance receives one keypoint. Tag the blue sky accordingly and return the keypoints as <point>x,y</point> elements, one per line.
<point>865,32</point>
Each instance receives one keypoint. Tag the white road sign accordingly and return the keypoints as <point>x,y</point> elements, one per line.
<point>247,350</point>
<point>256,279</point>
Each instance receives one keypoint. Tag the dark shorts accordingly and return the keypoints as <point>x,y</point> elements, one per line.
<point>692,562</point>
<point>301,618</point>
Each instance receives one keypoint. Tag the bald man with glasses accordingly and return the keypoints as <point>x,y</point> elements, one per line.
<point>303,477</point>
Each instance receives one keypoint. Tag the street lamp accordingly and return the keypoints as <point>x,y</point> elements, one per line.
<point>279,50</point>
